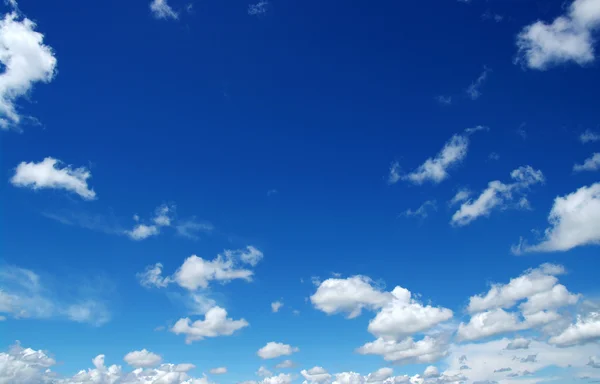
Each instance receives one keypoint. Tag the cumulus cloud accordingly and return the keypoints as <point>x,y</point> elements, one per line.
<point>537,294</point>
<point>590,164</point>
<point>569,38</point>
<point>425,351</point>
<point>152,277</point>
<point>142,359</point>
<point>285,364</point>
<point>316,375</point>
<point>474,90</point>
<point>573,222</point>
<point>273,349</point>
<point>25,59</point>
<point>161,10</point>
<point>585,330</point>
<point>276,305</point>
<point>215,323</point>
<point>50,174</point>
<point>404,316</point>
<point>350,295</point>
<point>518,343</point>
<point>498,195</point>
<point>195,272</point>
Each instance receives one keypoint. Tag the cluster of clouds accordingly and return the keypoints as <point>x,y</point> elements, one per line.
<point>195,276</point>
<point>562,329</point>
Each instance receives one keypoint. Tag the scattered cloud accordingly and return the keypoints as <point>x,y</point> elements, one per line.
<point>163,217</point>
<point>96,222</point>
<point>218,371</point>
<point>216,323</point>
<point>589,137</point>
<point>142,359</point>
<point>590,164</point>
<point>435,170</point>
<point>161,10</point>
<point>285,364</point>
<point>276,305</point>
<point>569,38</point>
<point>423,211</point>
<point>152,277</point>
<point>425,351</point>
<point>474,90</point>
<point>316,375</point>
<point>25,60</point>
<point>573,223</point>
<point>264,372</point>
<point>49,174</point>
<point>461,195</point>
<point>259,8</point>
<point>498,195</point>
<point>273,350</point>
<point>191,228</point>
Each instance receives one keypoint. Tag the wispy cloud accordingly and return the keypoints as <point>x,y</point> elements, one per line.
<point>474,90</point>
<point>191,228</point>
<point>444,100</point>
<point>259,8</point>
<point>423,211</point>
<point>589,136</point>
<point>162,10</point>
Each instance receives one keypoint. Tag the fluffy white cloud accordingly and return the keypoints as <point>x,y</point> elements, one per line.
<point>497,195</point>
<point>474,90</point>
<point>585,330</point>
<point>264,372</point>
<point>380,375</point>
<point>590,164</point>
<point>423,211</point>
<point>218,371</point>
<point>25,59</point>
<point>317,375</point>
<point>589,136</point>
<point>142,231</point>
<point>216,323</point>
<point>50,174</point>
<point>24,366</point>
<point>350,295</point>
<point>195,272</point>
<point>276,305</point>
<point>431,371</point>
<point>428,350</point>
<point>272,350</point>
<point>568,38</point>
<point>532,282</point>
<point>161,10</point>
<point>142,359</point>
<point>573,222</point>
<point>250,255</point>
<point>404,316</point>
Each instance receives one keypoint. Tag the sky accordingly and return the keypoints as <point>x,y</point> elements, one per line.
<point>201,192</point>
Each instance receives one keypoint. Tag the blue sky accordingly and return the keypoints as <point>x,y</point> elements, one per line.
<point>377,193</point>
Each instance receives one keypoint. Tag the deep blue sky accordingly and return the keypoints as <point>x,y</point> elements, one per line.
<point>312,99</point>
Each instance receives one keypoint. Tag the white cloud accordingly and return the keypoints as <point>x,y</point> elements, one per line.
<point>568,38</point>
<point>497,195</point>
<point>26,60</point>
<point>161,10</point>
<point>152,277</point>
<point>394,173</point>
<point>264,372</point>
<point>461,195</point>
<point>435,169</point>
<point>216,323</point>
<point>573,222</point>
<point>142,359</point>
<point>48,174</point>
<point>474,90</point>
<point>90,311</point>
<point>195,272</point>
<point>590,164</point>
<point>423,211</point>
<point>191,228</point>
<point>218,371</point>
<point>316,375</point>
<point>444,100</point>
<point>425,351</point>
<point>585,330</point>
<point>285,364</point>
<point>24,365</point>
<point>589,136</point>
<point>350,295</point>
<point>259,8</point>
<point>404,316</point>
<point>250,255</point>
<point>163,217</point>
<point>431,371</point>
<point>272,350</point>
<point>276,305</point>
